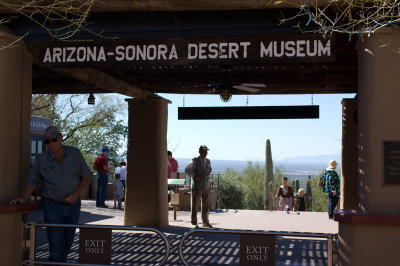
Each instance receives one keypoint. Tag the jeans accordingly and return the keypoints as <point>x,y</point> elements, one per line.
<point>60,238</point>
<point>101,193</point>
<point>333,201</point>
<point>123,192</point>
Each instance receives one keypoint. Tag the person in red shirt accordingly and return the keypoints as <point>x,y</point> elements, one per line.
<point>172,167</point>
<point>102,169</point>
<point>172,164</point>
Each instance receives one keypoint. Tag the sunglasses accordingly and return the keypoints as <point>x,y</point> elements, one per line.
<point>47,141</point>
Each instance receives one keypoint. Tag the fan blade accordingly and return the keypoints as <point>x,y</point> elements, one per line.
<point>244,88</point>
<point>255,85</point>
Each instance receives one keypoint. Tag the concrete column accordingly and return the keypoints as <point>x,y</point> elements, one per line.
<point>349,178</point>
<point>15,102</point>
<point>146,180</point>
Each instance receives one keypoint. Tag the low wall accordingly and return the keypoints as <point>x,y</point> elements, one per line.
<point>90,191</point>
<point>368,238</point>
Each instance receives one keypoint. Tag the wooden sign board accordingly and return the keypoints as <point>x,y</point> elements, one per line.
<point>257,250</point>
<point>202,50</point>
<point>95,246</point>
<point>391,162</point>
<point>175,199</point>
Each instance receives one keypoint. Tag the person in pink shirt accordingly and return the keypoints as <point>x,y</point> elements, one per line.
<point>172,164</point>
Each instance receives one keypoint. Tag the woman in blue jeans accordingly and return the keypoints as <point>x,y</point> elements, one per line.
<point>331,186</point>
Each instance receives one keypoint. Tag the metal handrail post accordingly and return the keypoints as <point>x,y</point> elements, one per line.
<point>31,242</point>
<point>330,250</point>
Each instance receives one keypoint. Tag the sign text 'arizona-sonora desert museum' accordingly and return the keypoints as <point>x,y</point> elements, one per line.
<point>196,50</point>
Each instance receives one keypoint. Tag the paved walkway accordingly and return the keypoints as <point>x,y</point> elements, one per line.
<point>141,248</point>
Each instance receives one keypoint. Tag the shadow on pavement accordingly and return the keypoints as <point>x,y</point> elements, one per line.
<point>147,248</point>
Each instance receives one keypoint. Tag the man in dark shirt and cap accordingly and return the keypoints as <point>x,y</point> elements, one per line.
<point>62,173</point>
<point>200,170</point>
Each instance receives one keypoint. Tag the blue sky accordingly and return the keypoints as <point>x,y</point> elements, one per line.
<point>245,139</point>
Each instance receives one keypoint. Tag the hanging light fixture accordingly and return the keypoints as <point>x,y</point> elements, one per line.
<point>91,99</point>
<point>225,95</point>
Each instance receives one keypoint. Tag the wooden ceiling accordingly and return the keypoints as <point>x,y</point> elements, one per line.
<point>338,76</point>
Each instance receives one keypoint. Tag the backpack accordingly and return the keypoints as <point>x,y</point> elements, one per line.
<point>321,180</point>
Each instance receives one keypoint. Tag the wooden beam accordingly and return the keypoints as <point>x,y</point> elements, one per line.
<point>97,78</point>
<point>105,81</point>
<point>184,5</point>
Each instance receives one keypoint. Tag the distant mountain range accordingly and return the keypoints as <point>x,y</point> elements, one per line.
<point>313,159</point>
<point>292,166</point>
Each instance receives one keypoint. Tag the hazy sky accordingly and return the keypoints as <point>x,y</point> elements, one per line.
<point>245,139</point>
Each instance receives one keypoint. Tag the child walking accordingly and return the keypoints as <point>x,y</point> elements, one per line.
<point>117,191</point>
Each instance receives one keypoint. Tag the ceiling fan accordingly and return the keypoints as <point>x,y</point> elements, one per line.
<point>225,86</point>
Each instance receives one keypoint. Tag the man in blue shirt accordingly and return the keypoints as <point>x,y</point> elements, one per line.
<point>62,173</point>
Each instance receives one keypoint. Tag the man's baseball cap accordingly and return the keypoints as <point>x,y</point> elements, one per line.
<point>51,132</point>
<point>203,147</point>
<point>104,149</point>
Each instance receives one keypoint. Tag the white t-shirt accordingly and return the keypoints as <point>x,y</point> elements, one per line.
<point>121,170</point>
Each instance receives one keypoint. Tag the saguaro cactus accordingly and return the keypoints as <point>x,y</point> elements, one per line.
<point>297,184</point>
<point>308,189</point>
<point>269,177</point>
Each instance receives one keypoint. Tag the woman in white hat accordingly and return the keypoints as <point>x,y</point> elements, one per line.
<point>331,186</point>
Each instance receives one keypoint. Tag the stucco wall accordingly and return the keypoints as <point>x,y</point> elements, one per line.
<point>379,117</point>
<point>368,245</point>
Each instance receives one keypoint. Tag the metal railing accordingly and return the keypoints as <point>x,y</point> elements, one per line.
<point>30,243</point>
<point>329,236</point>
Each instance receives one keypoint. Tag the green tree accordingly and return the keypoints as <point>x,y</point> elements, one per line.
<point>88,127</point>
<point>253,181</point>
<point>231,190</point>
<point>319,199</point>
<point>45,105</point>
